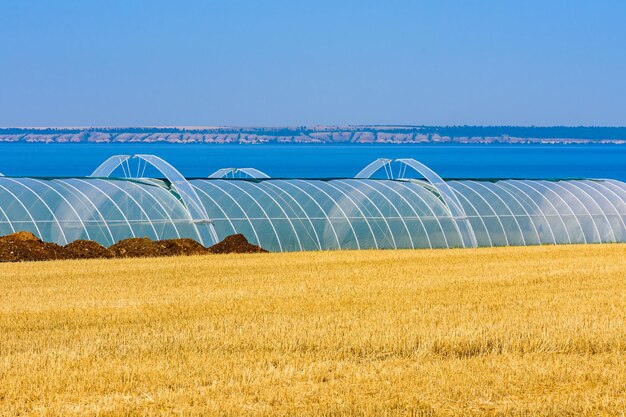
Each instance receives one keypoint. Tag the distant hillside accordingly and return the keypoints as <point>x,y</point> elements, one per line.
<point>321,134</point>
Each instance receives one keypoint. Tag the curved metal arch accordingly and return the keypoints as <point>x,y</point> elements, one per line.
<point>107,197</point>
<point>43,202</point>
<point>417,216</point>
<point>345,215</point>
<point>498,186</point>
<point>534,184</point>
<point>603,212</point>
<point>377,208</point>
<point>578,216</point>
<point>107,167</point>
<point>253,172</point>
<point>215,204</point>
<point>295,232</point>
<point>80,220</point>
<point>428,207</point>
<point>376,191</point>
<point>474,216</point>
<point>619,184</point>
<point>539,201</point>
<point>243,211</point>
<point>376,184</point>
<point>319,206</point>
<point>523,207</point>
<point>527,198</point>
<point>279,192</point>
<point>508,208</point>
<point>475,192</point>
<point>65,184</point>
<point>373,167</point>
<point>250,172</point>
<point>3,213</point>
<point>620,194</point>
<point>186,192</point>
<point>312,199</point>
<point>444,191</point>
<point>618,188</point>
<point>621,231</point>
<point>363,216</point>
<point>179,183</point>
<point>269,219</point>
<point>222,173</point>
<point>137,203</point>
<point>610,191</point>
<point>19,201</point>
<point>156,200</point>
<point>605,185</point>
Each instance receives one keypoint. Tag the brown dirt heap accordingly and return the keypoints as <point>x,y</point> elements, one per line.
<point>86,249</point>
<point>177,247</point>
<point>235,244</point>
<point>136,247</point>
<point>144,247</point>
<point>24,246</point>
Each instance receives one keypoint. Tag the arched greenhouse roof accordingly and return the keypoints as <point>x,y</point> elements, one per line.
<point>418,210</point>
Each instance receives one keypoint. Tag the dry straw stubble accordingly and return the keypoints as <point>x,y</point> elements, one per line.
<point>508,331</point>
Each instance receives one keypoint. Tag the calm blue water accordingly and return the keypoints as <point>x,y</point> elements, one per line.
<point>450,161</point>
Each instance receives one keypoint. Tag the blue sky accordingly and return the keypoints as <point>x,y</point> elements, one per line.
<point>234,62</point>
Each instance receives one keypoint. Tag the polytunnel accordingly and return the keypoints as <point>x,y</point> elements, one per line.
<point>415,208</point>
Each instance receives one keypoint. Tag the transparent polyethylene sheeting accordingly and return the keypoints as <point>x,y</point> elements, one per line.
<point>533,212</point>
<point>103,210</point>
<point>304,214</point>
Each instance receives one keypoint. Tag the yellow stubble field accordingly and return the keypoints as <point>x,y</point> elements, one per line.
<point>537,331</point>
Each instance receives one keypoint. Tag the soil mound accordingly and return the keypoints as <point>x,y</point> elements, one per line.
<point>21,236</point>
<point>146,248</point>
<point>136,247</point>
<point>24,246</point>
<point>177,247</point>
<point>86,249</point>
<point>235,244</point>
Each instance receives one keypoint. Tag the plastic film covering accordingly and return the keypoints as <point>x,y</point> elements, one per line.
<point>308,214</point>
<point>294,215</point>
<point>537,212</point>
<point>103,210</point>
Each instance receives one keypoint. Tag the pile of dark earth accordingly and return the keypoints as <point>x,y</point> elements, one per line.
<point>24,246</point>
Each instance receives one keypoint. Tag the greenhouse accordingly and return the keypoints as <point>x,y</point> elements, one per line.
<point>415,208</point>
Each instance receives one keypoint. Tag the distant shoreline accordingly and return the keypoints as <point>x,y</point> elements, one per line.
<point>364,135</point>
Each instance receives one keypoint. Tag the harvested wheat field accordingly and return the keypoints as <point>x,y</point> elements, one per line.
<point>536,331</point>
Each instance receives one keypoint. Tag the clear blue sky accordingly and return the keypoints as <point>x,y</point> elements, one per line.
<point>233,62</point>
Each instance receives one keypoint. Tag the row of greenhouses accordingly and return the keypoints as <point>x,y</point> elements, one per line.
<point>418,209</point>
